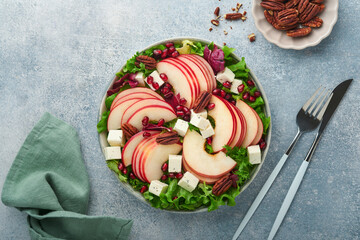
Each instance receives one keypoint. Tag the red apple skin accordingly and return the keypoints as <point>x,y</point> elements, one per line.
<point>209,69</point>
<point>116,114</point>
<point>137,152</point>
<point>132,96</point>
<point>131,91</point>
<point>259,131</point>
<point>201,74</point>
<point>142,158</point>
<point>190,101</point>
<point>242,124</point>
<point>251,122</point>
<point>238,127</point>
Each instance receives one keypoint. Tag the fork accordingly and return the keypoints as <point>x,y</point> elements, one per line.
<point>307,119</point>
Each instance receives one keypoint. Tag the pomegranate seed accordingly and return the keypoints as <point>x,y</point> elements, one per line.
<point>246,96</point>
<point>164,177</point>
<point>169,95</point>
<point>169,44</point>
<point>250,83</point>
<point>222,93</point>
<point>216,91</point>
<point>262,145</point>
<point>150,80</point>
<point>132,76</point>
<point>227,84</point>
<point>146,134</point>
<point>233,102</point>
<point>176,197</point>
<point>155,85</point>
<point>186,110</point>
<point>175,54</point>
<point>209,140</point>
<point>165,90</point>
<point>121,166</point>
<point>143,189</point>
<point>132,176</point>
<point>168,85</point>
<point>182,101</point>
<point>163,76</point>
<point>172,175</point>
<point>145,121</point>
<point>241,88</point>
<point>261,140</point>
<point>257,94</point>
<point>179,107</point>
<point>179,175</point>
<point>227,96</point>
<point>164,167</point>
<point>186,118</point>
<point>180,113</point>
<point>252,99</point>
<point>161,122</point>
<point>211,106</point>
<point>171,49</point>
<point>157,53</point>
<point>125,171</point>
<point>164,53</point>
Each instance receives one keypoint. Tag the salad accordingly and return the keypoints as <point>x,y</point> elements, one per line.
<point>185,124</point>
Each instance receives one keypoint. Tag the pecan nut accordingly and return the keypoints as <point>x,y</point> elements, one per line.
<point>222,185</point>
<point>322,7</point>
<point>273,5</point>
<point>215,22</point>
<point>310,12</point>
<point>316,22</point>
<point>202,101</point>
<point>217,11</point>
<point>269,15</point>
<point>303,5</point>
<point>299,32</point>
<point>317,1</point>
<point>129,130</point>
<point>168,138</point>
<point>150,63</point>
<point>271,18</point>
<point>287,17</point>
<point>233,16</point>
<point>292,4</point>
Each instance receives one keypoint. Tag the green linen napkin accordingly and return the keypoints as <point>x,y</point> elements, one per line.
<point>48,181</point>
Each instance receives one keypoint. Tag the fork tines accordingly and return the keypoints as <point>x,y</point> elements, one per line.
<point>317,104</point>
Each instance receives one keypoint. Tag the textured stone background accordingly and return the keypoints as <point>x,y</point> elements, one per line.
<point>59,56</point>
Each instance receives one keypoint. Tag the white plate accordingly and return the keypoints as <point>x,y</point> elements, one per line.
<point>279,38</point>
<point>103,135</point>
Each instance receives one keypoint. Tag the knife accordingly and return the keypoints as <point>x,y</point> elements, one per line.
<point>337,95</point>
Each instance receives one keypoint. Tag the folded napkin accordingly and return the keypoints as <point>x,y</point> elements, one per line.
<point>48,181</point>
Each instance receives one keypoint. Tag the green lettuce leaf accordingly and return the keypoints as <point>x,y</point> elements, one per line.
<point>102,124</point>
<point>240,69</point>
<point>109,100</point>
<point>197,48</point>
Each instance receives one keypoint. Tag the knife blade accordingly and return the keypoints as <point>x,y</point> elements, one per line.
<point>337,95</point>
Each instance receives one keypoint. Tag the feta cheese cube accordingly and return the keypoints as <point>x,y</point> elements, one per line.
<point>199,122</point>
<point>157,79</point>
<point>140,78</point>
<point>203,113</point>
<point>116,138</point>
<point>175,162</point>
<point>156,187</point>
<point>254,154</point>
<point>225,75</point>
<point>208,132</point>
<point>235,84</point>
<point>188,182</point>
<point>181,127</point>
<point>112,153</point>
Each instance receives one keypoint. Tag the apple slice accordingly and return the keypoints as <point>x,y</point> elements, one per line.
<point>131,91</point>
<point>251,122</point>
<point>239,129</point>
<point>178,79</point>
<point>115,116</point>
<point>131,144</point>
<point>158,154</point>
<point>201,178</point>
<point>209,69</point>
<point>137,95</point>
<point>243,127</point>
<point>259,131</point>
<point>202,163</point>
<point>225,123</point>
<point>199,72</point>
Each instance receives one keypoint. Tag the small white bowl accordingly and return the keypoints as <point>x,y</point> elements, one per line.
<point>279,38</point>
<point>103,135</point>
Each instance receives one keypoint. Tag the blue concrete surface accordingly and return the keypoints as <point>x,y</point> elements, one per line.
<point>59,56</point>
